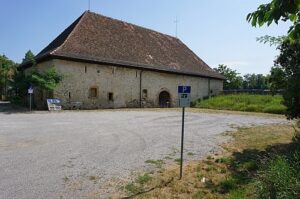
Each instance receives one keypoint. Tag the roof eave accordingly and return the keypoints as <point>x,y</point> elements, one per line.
<point>46,57</point>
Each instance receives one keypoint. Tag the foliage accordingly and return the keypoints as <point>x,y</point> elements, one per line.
<point>289,62</point>
<point>21,80</point>
<point>233,80</point>
<point>245,102</point>
<point>289,58</point>
<point>7,69</point>
<point>47,80</point>
<point>29,57</point>
<point>271,40</point>
<point>255,81</point>
<point>277,79</point>
<point>278,10</point>
<point>279,179</point>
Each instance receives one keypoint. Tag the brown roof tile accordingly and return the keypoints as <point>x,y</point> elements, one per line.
<point>93,37</point>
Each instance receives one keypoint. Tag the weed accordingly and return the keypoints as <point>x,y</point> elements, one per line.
<point>92,178</point>
<point>210,168</point>
<point>157,163</point>
<point>225,160</point>
<point>133,188</point>
<point>199,176</point>
<point>279,179</point>
<point>227,185</point>
<point>237,194</point>
<point>250,165</point>
<point>66,179</point>
<point>143,179</point>
<point>177,160</point>
<point>168,158</point>
<point>190,154</point>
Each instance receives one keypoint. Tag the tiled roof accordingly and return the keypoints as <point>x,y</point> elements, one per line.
<point>96,38</point>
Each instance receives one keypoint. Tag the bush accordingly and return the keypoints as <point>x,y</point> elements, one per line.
<point>245,102</point>
<point>280,177</point>
<point>279,180</point>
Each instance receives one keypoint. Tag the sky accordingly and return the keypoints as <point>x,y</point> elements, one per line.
<point>217,31</point>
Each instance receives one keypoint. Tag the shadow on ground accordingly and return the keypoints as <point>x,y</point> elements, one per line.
<point>7,108</point>
<point>270,171</point>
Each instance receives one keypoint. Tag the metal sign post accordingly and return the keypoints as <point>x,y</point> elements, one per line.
<point>30,91</point>
<point>184,93</point>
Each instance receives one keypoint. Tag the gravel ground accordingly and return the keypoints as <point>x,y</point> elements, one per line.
<point>75,154</point>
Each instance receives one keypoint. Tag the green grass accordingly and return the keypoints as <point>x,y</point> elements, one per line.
<point>245,102</point>
<point>143,178</point>
<point>157,163</point>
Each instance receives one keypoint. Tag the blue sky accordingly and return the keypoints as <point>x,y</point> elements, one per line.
<point>215,30</point>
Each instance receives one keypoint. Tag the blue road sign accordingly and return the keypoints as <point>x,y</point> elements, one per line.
<point>184,89</point>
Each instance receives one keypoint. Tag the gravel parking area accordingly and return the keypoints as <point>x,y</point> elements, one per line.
<point>74,154</point>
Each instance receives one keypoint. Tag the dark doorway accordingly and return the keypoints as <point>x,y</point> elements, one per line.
<point>164,99</point>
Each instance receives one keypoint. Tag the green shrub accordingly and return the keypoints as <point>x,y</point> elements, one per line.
<point>244,102</point>
<point>227,185</point>
<point>143,178</point>
<point>280,179</point>
<point>237,194</point>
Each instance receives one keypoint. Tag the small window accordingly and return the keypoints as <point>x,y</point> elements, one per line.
<point>93,92</point>
<point>145,93</point>
<point>85,69</point>
<point>110,97</point>
<point>69,95</point>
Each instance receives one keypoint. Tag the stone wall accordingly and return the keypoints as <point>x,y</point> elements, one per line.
<point>118,87</point>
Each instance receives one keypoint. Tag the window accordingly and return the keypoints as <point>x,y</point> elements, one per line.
<point>69,95</point>
<point>93,92</point>
<point>85,69</point>
<point>110,97</point>
<point>145,93</point>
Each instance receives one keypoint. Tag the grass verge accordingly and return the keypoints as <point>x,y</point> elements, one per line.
<point>245,102</point>
<point>258,162</point>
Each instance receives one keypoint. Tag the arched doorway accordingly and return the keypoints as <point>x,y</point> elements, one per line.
<point>164,99</point>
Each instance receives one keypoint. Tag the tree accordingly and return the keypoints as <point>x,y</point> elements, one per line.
<point>289,62</point>
<point>29,56</point>
<point>277,79</point>
<point>278,10</point>
<point>288,59</point>
<point>255,81</point>
<point>42,81</point>
<point>7,69</point>
<point>233,80</point>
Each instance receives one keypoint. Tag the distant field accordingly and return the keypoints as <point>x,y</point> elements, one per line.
<point>245,102</point>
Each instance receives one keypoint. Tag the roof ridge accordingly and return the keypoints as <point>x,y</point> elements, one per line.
<point>142,27</point>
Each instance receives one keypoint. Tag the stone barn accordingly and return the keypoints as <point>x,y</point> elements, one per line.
<point>107,63</point>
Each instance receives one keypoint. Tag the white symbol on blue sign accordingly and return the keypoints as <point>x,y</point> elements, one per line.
<point>53,101</point>
<point>30,89</point>
<point>184,89</point>
<point>184,95</point>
